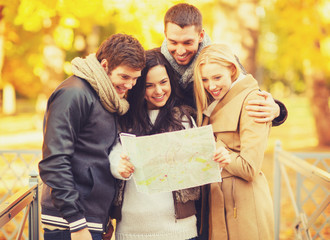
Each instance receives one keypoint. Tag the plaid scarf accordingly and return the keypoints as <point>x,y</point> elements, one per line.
<point>185,71</point>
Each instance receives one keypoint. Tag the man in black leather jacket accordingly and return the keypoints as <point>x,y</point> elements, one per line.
<point>79,131</point>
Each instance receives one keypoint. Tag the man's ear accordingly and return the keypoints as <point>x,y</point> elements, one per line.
<point>104,64</point>
<point>165,27</point>
<point>165,33</point>
<point>201,36</point>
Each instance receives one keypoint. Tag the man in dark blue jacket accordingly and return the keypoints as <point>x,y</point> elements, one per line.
<point>79,131</point>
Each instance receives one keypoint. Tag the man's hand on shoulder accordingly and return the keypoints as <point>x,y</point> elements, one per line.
<point>264,110</point>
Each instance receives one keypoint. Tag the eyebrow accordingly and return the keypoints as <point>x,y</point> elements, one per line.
<point>165,78</point>
<point>125,74</point>
<point>186,40</point>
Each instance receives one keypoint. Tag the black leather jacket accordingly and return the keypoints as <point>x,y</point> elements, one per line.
<point>79,133</point>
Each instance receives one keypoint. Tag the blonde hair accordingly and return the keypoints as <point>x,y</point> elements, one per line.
<point>214,53</point>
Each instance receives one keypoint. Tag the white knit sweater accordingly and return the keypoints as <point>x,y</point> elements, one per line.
<point>149,216</point>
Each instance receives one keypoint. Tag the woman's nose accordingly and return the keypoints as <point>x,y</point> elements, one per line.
<point>158,89</point>
<point>212,85</point>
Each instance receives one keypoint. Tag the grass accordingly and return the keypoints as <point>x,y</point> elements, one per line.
<point>297,134</point>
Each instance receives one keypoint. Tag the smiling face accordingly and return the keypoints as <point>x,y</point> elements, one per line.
<point>182,43</point>
<point>122,77</point>
<point>216,79</point>
<point>158,87</point>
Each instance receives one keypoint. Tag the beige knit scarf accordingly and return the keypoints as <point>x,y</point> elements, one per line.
<point>91,70</point>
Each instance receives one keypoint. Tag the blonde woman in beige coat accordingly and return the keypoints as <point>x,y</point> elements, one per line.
<point>240,207</point>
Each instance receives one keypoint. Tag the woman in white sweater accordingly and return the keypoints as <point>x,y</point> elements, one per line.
<point>155,107</point>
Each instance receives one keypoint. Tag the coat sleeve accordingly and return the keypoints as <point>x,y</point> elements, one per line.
<point>283,114</point>
<point>66,111</point>
<point>247,162</point>
<point>114,158</point>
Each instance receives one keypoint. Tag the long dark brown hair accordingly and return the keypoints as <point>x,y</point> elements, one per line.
<point>137,120</point>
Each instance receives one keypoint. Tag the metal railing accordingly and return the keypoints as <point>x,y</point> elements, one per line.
<point>305,171</point>
<point>27,198</point>
<point>16,167</point>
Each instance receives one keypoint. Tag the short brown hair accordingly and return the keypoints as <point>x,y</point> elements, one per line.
<point>122,49</point>
<point>184,14</point>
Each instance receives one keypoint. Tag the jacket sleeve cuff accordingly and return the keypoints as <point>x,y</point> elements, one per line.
<point>283,114</point>
<point>77,223</point>
<point>114,158</point>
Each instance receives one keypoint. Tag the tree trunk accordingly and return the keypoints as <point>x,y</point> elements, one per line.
<point>319,95</point>
<point>9,99</point>
<point>236,23</point>
<point>2,28</point>
<point>249,27</point>
<point>320,107</point>
<point>8,93</point>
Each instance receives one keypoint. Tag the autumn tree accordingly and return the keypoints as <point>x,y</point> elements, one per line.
<point>39,36</point>
<point>235,23</point>
<point>42,37</point>
<point>295,49</point>
<point>1,40</point>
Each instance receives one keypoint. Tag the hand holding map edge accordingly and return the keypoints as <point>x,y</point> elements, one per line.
<point>173,160</point>
<point>222,156</point>
<point>125,167</point>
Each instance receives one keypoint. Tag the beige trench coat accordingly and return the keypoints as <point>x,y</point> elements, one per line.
<point>240,207</point>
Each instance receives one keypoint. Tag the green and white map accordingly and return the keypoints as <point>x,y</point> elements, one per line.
<point>174,160</point>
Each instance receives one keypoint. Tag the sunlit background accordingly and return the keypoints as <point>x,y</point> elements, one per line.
<point>285,44</point>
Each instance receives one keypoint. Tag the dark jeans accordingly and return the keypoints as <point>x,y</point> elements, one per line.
<point>65,235</point>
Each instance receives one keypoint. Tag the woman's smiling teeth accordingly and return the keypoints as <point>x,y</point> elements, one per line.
<point>216,93</point>
<point>159,98</point>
